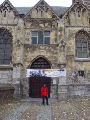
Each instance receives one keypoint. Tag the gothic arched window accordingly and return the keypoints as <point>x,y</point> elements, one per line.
<point>5,46</point>
<point>82,44</point>
<point>40,63</point>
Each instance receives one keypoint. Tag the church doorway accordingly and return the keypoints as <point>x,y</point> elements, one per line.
<point>36,82</point>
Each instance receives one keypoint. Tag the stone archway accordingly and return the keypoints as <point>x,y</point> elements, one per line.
<point>35,83</point>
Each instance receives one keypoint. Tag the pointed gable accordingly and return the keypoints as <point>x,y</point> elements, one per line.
<point>41,10</point>
<point>75,6</point>
<point>77,15</point>
<point>85,2</point>
<point>6,6</point>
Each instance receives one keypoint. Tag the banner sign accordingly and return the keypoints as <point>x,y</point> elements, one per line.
<point>46,72</point>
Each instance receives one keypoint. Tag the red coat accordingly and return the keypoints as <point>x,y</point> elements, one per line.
<point>44,91</point>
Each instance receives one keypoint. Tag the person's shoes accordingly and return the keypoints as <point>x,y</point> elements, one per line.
<point>43,104</point>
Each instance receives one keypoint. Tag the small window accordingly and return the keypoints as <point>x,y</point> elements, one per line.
<point>34,40</point>
<point>47,37</point>
<point>34,37</point>
<point>46,40</point>
<point>81,73</point>
<point>41,37</point>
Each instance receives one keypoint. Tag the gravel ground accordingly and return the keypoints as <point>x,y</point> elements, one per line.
<point>74,109</point>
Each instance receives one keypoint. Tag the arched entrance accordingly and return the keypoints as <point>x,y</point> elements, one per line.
<point>35,83</point>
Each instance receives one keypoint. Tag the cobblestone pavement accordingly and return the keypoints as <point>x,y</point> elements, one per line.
<point>37,111</point>
<point>45,113</point>
<point>28,110</point>
<point>74,109</point>
<point>15,114</point>
<point>31,113</point>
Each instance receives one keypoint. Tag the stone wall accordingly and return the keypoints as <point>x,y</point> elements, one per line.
<point>61,50</point>
<point>6,91</point>
<point>5,76</point>
<point>78,90</point>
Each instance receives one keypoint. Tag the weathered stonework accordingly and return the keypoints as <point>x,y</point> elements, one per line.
<point>60,52</point>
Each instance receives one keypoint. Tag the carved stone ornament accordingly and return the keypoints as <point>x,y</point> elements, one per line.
<point>18,43</point>
<point>62,43</point>
<point>6,6</point>
<point>42,6</point>
<point>48,23</point>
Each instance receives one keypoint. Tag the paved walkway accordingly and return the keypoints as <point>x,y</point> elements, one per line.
<point>15,114</point>
<point>44,113</point>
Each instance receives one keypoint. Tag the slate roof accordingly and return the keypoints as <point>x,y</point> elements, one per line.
<point>58,10</point>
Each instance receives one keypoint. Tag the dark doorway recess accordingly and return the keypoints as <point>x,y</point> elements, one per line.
<point>35,83</point>
<point>35,86</point>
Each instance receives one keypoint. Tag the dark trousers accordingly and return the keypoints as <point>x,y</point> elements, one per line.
<point>43,100</point>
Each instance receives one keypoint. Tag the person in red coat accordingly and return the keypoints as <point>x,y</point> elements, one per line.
<point>44,94</point>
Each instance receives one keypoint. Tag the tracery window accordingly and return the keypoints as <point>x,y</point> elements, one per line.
<point>82,45</point>
<point>40,37</point>
<point>5,46</point>
<point>40,63</point>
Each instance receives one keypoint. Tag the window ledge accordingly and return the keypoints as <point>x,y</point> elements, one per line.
<point>38,45</point>
<point>82,59</point>
<point>6,66</point>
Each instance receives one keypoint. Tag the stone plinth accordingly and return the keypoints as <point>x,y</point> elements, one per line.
<point>6,91</point>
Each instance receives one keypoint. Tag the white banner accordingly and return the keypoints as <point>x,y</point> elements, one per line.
<point>46,72</point>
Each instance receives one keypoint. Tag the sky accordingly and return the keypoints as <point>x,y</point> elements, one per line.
<point>29,3</point>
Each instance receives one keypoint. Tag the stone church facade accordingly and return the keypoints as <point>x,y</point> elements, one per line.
<point>46,37</point>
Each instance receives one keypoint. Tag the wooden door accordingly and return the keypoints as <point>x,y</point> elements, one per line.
<point>35,86</point>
